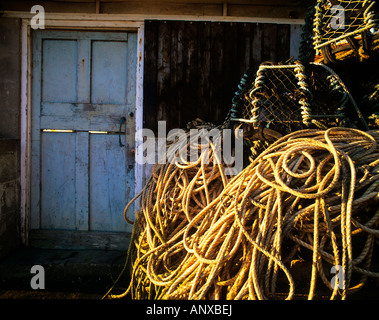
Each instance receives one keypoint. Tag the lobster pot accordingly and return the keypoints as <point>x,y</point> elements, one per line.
<point>280,97</point>
<point>291,97</point>
<point>344,29</point>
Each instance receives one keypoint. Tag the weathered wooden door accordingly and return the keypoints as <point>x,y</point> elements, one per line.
<point>82,170</point>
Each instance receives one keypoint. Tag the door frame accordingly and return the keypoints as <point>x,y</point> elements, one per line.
<point>70,22</point>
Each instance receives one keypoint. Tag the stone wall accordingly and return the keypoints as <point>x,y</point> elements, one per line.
<point>9,195</point>
<point>9,135</point>
<point>10,78</point>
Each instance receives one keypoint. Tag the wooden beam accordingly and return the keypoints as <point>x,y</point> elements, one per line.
<point>142,7</point>
<point>139,168</point>
<point>106,20</point>
<point>25,140</point>
<point>303,3</point>
<point>279,11</point>
<point>238,8</point>
<point>225,10</point>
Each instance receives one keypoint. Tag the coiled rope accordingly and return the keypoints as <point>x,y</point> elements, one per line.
<point>310,196</point>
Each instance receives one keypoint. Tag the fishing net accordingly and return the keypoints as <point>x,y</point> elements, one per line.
<point>336,30</point>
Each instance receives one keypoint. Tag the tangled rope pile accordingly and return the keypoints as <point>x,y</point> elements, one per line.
<point>173,195</point>
<point>200,236</point>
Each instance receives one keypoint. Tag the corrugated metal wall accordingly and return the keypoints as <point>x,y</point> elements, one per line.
<point>192,69</point>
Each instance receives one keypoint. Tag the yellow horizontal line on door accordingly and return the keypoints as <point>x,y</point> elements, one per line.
<point>57,130</point>
<point>70,131</point>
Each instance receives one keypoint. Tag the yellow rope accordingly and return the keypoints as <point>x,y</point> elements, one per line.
<point>199,236</point>
<point>349,53</point>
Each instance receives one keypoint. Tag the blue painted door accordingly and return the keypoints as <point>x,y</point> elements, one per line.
<point>83,105</point>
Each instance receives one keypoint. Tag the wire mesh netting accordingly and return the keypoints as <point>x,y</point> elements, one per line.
<point>285,98</point>
<point>277,95</point>
<point>336,20</point>
<point>336,30</point>
<point>292,97</point>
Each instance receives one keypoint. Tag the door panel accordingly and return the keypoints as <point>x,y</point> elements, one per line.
<point>83,83</point>
<point>109,67</point>
<point>106,178</point>
<point>58,189</point>
<point>59,70</point>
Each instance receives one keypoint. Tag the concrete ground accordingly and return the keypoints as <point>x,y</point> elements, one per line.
<point>88,274</point>
<point>69,274</point>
